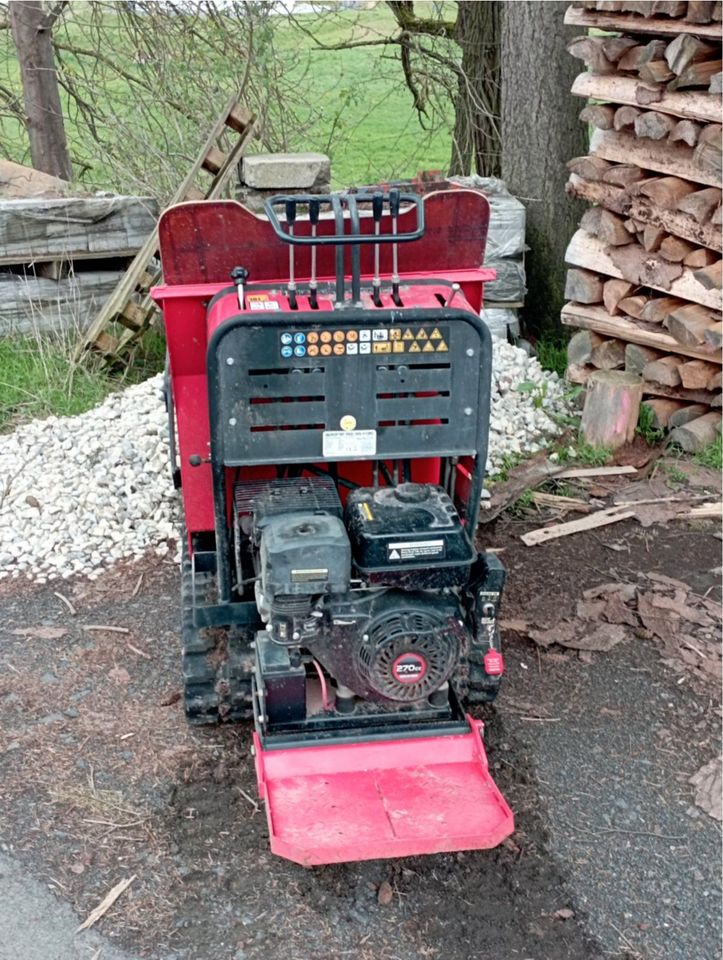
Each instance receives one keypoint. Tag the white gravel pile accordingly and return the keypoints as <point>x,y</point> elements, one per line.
<point>79,493</point>
<point>525,398</point>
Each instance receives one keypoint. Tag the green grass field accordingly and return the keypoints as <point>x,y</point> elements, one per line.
<point>352,104</point>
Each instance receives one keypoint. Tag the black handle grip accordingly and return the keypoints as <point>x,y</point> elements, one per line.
<point>314,210</point>
<point>394,202</point>
<point>344,204</point>
<point>377,206</point>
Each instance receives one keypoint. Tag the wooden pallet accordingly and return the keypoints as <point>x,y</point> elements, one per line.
<point>130,305</point>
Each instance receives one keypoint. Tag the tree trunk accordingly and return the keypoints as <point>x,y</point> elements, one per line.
<point>540,133</point>
<point>30,24</point>
<point>476,136</point>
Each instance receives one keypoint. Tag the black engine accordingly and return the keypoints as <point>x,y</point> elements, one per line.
<point>382,600</point>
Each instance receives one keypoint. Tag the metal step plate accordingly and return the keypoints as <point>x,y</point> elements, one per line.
<point>381,799</point>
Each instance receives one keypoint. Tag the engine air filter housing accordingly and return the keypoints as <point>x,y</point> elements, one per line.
<point>409,535</point>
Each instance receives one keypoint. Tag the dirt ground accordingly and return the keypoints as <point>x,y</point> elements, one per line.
<point>101,779</point>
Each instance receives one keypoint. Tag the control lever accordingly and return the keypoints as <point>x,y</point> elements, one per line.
<point>452,295</point>
<point>240,275</point>
<point>377,210</point>
<point>314,208</point>
<point>394,210</point>
<point>291,219</point>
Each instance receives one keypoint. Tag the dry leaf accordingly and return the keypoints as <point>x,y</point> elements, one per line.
<point>119,675</point>
<point>708,793</point>
<point>602,638</point>
<point>590,609</point>
<point>652,617</point>
<point>677,605</point>
<point>580,635</point>
<point>170,698</point>
<point>385,893</point>
<point>41,633</point>
<point>519,626</point>
<point>560,633</point>
<point>626,591</point>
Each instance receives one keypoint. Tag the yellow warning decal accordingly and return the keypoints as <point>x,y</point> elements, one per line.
<point>442,347</point>
<point>415,348</point>
<point>398,346</point>
<point>435,335</point>
<point>428,347</point>
<point>395,334</point>
<point>366,510</point>
<point>422,335</point>
<point>382,347</point>
<point>408,335</point>
<point>257,296</point>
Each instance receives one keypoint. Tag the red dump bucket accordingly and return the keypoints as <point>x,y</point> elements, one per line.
<point>381,798</point>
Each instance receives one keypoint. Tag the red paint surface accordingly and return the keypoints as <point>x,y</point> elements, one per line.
<point>381,799</point>
<point>201,243</point>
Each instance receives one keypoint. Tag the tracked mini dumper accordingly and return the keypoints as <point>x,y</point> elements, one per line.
<point>328,414</point>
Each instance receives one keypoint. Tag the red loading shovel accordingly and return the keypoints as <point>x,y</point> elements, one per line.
<point>382,798</point>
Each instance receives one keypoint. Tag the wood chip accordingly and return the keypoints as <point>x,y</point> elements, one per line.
<point>385,893</point>
<point>41,633</point>
<point>708,793</point>
<point>106,903</point>
<point>104,627</point>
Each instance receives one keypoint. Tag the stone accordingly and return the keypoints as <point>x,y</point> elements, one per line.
<point>282,171</point>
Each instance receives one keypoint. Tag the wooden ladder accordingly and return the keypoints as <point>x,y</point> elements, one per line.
<point>129,310</point>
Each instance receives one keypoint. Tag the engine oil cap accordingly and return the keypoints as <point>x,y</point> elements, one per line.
<point>412,492</point>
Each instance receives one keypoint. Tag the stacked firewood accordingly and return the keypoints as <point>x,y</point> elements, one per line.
<point>646,273</point>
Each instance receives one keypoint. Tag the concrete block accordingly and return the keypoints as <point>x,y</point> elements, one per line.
<point>285,171</point>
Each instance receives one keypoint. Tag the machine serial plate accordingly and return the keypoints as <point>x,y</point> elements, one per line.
<point>349,443</point>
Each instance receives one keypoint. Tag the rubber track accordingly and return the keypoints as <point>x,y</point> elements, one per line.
<point>217,661</point>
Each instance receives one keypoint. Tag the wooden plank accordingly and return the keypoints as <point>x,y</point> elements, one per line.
<point>686,104</point>
<point>587,252</point>
<point>633,23</point>
<point>20,182</point>
<point>593,520</point>
<point>596,319</point>
<point>579,473</point>
<point>39,305</point>
<point>74,228</point>
<point>672,159</point>
<point>677,222</point>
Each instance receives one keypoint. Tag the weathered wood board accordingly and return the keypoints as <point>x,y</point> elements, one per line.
<point>31,304</point>
<point>39,230</point>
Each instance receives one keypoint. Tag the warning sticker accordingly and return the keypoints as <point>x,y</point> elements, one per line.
<point>412,550</point>
<point>349,443</point>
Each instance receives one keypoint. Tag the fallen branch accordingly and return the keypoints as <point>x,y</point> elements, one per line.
<point>101,626</point>
<point>106,903</point>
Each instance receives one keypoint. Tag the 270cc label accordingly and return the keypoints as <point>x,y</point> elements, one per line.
<point>414,549</point>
